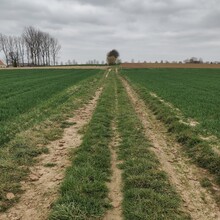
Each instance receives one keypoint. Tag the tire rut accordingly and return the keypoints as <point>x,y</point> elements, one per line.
<point>41,187</point>
<point>115,185</point>
<point>197,201</point>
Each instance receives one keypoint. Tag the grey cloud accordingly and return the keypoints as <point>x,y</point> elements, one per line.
<point>141,29</point>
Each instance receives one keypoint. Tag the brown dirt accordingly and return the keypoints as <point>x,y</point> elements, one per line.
<point>169,65</point>
<point>41,188</point>
<point>188,121</point>
<point>184,176</point>
<point>115,185</point>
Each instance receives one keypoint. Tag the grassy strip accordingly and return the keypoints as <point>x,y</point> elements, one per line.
<point>147,191</point>
<point>84,190</point>
<point>17,155</point>
<point>199,150</point>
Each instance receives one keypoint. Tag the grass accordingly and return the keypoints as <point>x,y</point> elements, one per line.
<point>195,92</point>
<point>205,182</point>
<point>39,124</point>
<point>29,96</point>
<point>50,165</point>
<point>83,194</point>
<point>147,191</point>
<point>199,150</point>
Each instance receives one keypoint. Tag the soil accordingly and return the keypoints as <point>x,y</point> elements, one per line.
<point>41,187</point>
<point>169,65</point>
<point>115,185</point>
<point>197,201</point>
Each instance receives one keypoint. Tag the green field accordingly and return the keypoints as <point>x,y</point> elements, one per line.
<point>147,191</point>
<point>34,105</point>
<point>35,108</point>
<point>28,96</point>
<point>195,92</point>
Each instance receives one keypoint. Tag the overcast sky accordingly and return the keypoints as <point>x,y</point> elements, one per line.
<point>141,29</point>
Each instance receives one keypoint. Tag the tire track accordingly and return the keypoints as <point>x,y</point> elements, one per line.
<point>197,201</point>
<point>41,188</point>
<point>115,185</point>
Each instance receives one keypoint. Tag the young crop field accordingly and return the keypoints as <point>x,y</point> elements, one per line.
<point>195,92</point>
<point>186,100</point>
<point>109,144</point>
<point>33,106</point>
<point>25,93</point>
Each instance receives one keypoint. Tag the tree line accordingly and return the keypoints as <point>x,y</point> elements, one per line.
<point>33,48</point>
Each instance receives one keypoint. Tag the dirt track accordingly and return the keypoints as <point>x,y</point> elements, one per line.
<point>170,65</point>
<point>41,188</point>
<point>115,185</point>
<point>184,176</point>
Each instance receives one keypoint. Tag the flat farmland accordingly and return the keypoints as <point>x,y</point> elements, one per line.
<point>195,92</point>
<point>34,105</point>
<point>24,92</point>
<point>187,101</point>
<point>170,65</point>
<point>109,144</point>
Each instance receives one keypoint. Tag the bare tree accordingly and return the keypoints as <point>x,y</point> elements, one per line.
<point>55,48</point>
<point>5,47</point>
<point>44,48</point>
<point>47,49</point>
<point>21,49</point>
<point>14,56</point>
<point>35,46</point>
<point>29,36</point>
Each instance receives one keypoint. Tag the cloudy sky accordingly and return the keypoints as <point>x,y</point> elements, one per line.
<point>140,29</point>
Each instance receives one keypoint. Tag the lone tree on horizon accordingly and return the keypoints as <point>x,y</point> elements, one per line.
<point>112,57</point>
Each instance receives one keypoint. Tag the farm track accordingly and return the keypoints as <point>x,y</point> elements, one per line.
<point>115,185</point>
<point>43,183</point>
<point>197,201</point>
